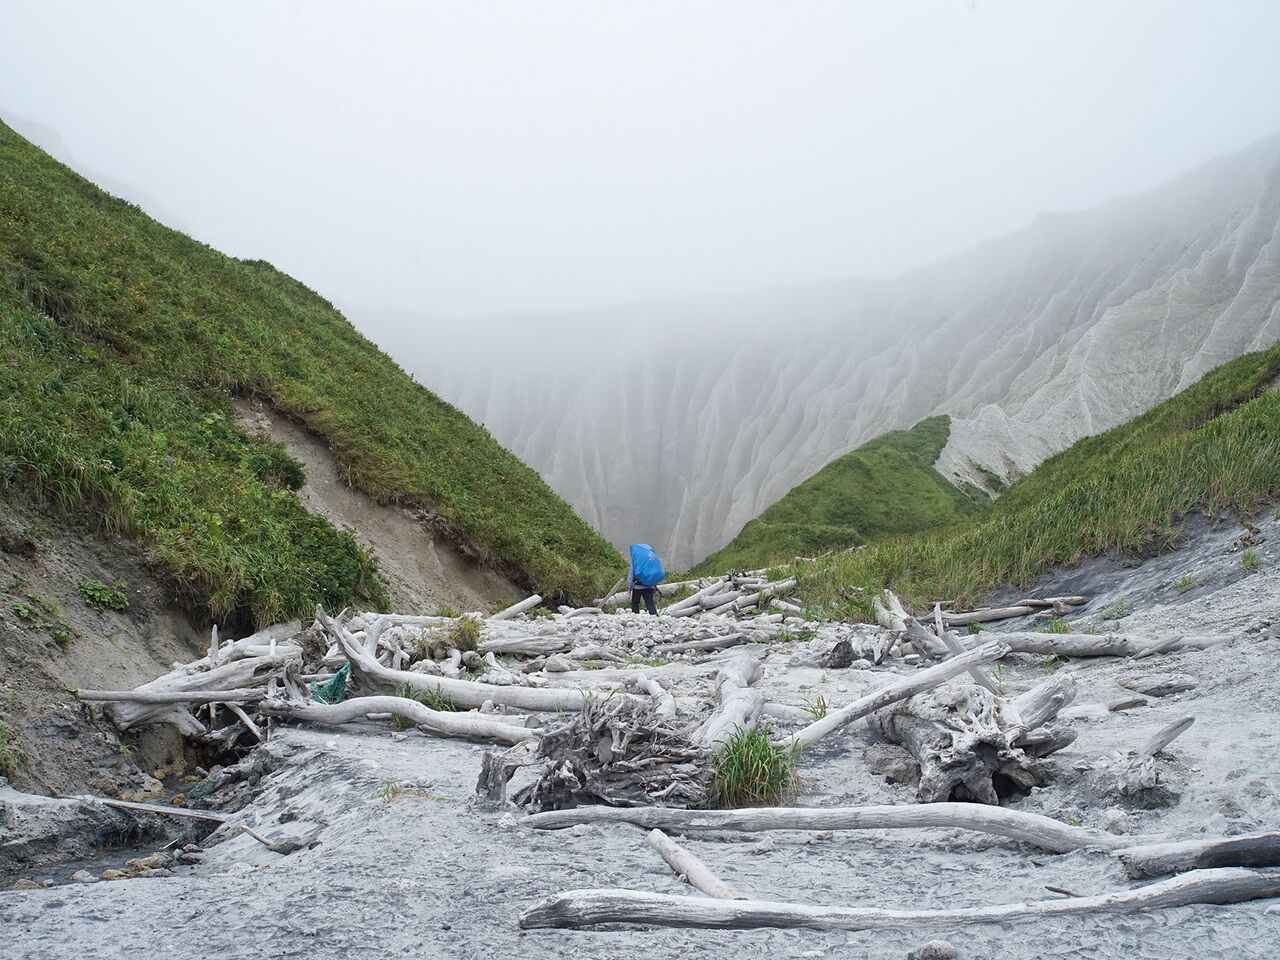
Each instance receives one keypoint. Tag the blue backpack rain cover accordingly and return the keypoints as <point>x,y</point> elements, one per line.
<point>645,565</point>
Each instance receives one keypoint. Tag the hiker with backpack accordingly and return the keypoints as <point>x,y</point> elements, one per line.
<point>643,576</point>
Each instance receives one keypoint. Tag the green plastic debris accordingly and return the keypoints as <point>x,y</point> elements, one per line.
<point>335,690</point>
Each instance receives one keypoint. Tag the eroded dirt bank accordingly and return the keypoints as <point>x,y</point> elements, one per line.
<point>423,568</point>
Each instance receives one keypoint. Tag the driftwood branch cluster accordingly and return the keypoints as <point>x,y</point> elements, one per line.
<point>620,719</point>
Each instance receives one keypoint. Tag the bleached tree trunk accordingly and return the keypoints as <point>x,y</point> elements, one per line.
<point>587,908</point>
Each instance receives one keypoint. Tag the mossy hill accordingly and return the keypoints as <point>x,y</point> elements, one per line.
<point>1215,447</point>
<point>123,343</point>
<point>886,486</point>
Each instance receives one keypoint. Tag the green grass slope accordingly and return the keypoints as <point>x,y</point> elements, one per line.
<point>886,486</point>
<point>1215,446</point>
<point>122,343</point>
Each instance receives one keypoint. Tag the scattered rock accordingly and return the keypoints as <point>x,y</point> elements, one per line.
<point>838,657</point>
<point>83,876</point>
<point>1117,821</point>
<point>25,884</point>
<point>933,950</point>
<point>112,874</point>
<point>1160,684</point>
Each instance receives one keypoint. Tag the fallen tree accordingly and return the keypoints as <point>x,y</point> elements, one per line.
<point>1031,828</point>
<point>588,908</point>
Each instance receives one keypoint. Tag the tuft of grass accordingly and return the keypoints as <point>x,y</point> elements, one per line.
<point>10,753</point>
<point>104,597</point>
<point>1185,583</point>
<point>123,343</point>
<point>432,699</point>
<point>464,633</point>
<point>750,771</point>
<point>392,791</point>
<point>60,636</point>
<point>974,628</point>
<point>1053,663</point>
<point>1250,561</point>
<point>1116,611</point>
<point>817,707</point>
<point>25,614</point>
<point>1056,625</point>
<point>886,486</point>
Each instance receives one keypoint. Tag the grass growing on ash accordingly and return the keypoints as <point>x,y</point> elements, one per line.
<point>1250,561</point>
<point>431,699</point>
<point>123,343</point>
<point>751,772</point>
<point>1214,447</point>
<point>10,753</point>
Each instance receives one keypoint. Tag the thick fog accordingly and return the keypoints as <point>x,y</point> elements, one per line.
<point>419,162</point>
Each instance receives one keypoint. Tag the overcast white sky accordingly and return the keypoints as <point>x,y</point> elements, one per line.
<point>468,158</point>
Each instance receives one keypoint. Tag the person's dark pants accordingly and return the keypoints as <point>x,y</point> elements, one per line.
<point>647,595</point>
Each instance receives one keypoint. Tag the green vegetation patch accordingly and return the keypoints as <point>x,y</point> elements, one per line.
<point>751,772</point>
<point>886,486</point>
<point>1214,447</point>
<point>124,342</point>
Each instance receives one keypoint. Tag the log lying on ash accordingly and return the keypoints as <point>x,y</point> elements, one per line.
<point>957,735</point>
<point>1092,645</point>
<point>621,751</point>
<point>193,697</point>
<point>437,723</point>
<point>1021,608</point>
<point>1030,828</point>
<point>723,642</point>
<point>528,603</point>
<point>1158,859</point>
<point>526,646</point>
<point>587,908</point>
<point>464,693</point>
<point>689,868</point>
<point>737,705</point>
<point>908,686</point>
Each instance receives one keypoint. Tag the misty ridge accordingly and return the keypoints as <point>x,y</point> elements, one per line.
<point>678,421</point>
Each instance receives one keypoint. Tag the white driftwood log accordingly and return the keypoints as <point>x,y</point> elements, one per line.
<point>693,870</point>
<point>664,702</point>
<point>241,695</point>
<point>1030,828</point>
<point>1158,859</point>
<point>956,648</point>
<point>528,603</point>
<point>738,706</point>
<point>694,646</point>
<point>438,723</point>
<point>1091,645</point>
<point>587,908</point>
<point>899,690</point>
<point>989,614</point>
<point>464,693</point>
<point>526,646</point>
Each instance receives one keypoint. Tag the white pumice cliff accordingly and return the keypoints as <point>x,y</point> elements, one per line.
<point>675,422</point>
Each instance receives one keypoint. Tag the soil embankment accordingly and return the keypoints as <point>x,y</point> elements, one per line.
<point>423,568</point>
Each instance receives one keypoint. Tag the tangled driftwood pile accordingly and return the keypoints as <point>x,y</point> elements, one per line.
<point>619,718</point>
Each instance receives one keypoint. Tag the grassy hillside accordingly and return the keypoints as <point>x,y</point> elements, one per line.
<point>123,341</point>
<point>886,486</point>
<point>1214,446</point>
